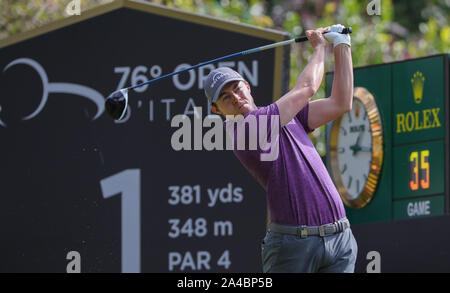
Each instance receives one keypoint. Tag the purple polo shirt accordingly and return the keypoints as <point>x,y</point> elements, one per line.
<point>299,188</point>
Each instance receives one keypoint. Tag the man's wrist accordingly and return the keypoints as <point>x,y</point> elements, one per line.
<point>320,46</point>
<point>340,45</point>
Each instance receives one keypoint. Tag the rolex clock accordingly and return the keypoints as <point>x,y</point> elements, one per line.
<point>356,150</point>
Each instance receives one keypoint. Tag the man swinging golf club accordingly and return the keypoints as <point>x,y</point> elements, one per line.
<point>309,231</point>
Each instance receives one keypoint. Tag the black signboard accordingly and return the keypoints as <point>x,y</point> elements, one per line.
<point>404,246</point>
<point>81,192</point>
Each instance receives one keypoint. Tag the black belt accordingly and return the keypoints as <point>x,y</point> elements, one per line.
<point>305,231</point>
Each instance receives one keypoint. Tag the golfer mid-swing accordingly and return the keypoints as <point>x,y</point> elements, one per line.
<point>309,231</point>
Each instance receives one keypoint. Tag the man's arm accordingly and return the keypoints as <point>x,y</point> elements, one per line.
<point>308,82</point>
<point>323,111</point>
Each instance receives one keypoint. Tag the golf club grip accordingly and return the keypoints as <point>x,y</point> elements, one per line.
<point>301,39</point>
<point>346,30</point>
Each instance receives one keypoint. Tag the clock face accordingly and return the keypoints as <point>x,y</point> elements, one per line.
<point>354,149</point>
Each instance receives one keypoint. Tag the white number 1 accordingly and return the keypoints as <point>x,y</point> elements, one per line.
<point>128,183</point>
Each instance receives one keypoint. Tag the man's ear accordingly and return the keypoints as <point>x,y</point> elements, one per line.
<point>248,86</point>
<point>214,109</point>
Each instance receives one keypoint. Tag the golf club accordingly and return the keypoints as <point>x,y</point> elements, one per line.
<point>116,103</point>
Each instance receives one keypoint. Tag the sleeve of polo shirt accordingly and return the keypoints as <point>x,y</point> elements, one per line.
<point>269,115</point>
<point>302,116</point>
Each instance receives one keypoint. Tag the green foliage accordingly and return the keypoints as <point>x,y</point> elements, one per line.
<point>20,16</point>
<point>405,29</point>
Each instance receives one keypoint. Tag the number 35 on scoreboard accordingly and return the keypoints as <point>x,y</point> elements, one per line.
<point>419,170</point>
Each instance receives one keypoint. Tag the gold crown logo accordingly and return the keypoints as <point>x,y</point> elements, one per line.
<point>417,84</point>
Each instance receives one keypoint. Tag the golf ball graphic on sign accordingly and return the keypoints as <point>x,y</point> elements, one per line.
<point>56,87</point>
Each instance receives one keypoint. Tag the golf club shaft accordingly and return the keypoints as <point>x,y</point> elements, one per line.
<point>246,52</point>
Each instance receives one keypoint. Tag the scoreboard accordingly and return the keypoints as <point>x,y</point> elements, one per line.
<point>412,100</point>
<point>420,115</point>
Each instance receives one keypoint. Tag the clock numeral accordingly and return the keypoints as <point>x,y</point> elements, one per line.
<point>365,115</point>
<point>349,116</point>
<point>344,169</point>
<point>357,186</point>
<point>344,132</point>
<point>341,150</point>
<point>349,182</point>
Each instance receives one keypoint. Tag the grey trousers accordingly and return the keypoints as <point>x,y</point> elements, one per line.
<point>283,253</point>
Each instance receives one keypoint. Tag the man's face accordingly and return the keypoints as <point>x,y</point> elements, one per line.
<point>234,99</point>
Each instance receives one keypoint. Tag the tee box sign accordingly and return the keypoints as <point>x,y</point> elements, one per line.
<point>412,101</point>
<point>115,194</point>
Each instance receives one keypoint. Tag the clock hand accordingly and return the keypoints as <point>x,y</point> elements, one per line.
<point>356,148</point>
<point>365,149</point>
<point>358,140</point>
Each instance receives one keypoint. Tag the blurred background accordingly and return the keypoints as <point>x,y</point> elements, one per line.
<point>402,30</point>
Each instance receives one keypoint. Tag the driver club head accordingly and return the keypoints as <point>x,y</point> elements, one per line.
<point>116,104</point>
